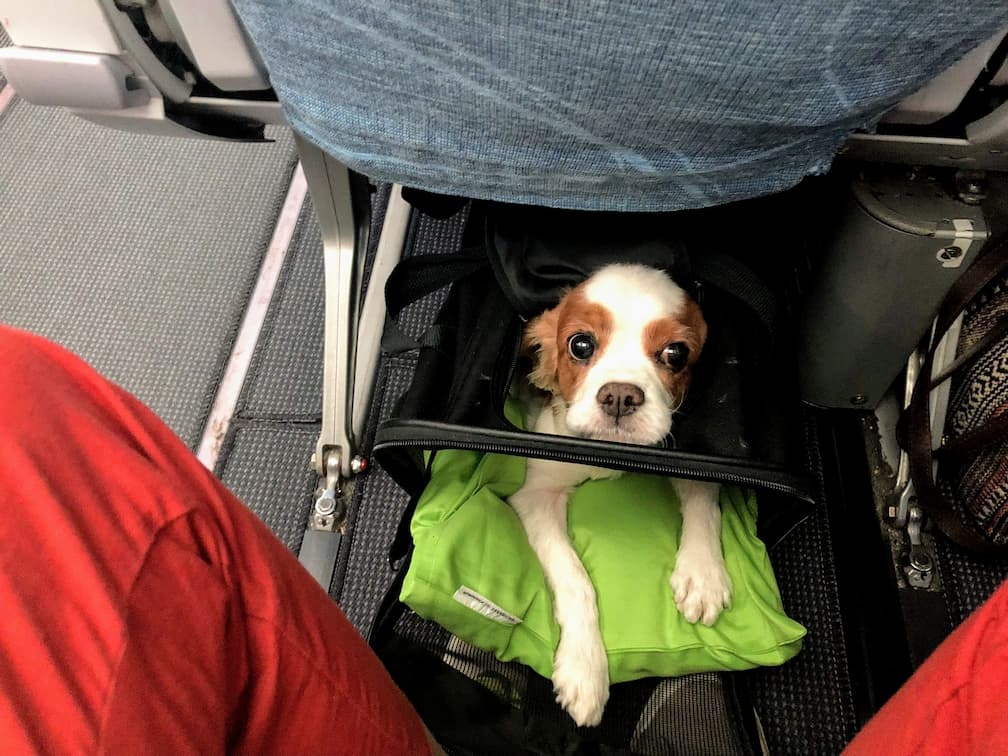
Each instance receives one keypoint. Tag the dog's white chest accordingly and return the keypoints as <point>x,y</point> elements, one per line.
<point>541,472</point>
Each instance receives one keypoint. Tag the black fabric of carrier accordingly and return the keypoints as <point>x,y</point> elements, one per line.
<point>740,421</point>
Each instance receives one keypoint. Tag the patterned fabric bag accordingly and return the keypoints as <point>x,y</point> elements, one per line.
<point>969,499</point>
<point>977,484</point>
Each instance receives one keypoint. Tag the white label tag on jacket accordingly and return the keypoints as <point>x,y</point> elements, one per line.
<point>468,597</point>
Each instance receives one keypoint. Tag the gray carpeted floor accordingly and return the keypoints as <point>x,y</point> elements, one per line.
<point>265,457</point>
<point>136,252</point>
<point>266,466</point>
<point>286,373</point>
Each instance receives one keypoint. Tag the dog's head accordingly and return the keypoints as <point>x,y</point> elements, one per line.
<point>618,350</point>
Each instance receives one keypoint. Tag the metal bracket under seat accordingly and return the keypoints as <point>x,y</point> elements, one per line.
<point>352,339</point>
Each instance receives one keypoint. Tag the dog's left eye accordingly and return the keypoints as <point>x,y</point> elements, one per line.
<point>581,346</point>
<point>674,355</point>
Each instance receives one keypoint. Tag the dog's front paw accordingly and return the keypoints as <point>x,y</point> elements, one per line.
<point>701,586</point>
<point>581,678</point>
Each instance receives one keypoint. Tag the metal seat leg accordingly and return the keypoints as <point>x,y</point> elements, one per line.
<point>352,340</point>
<point>329,184</point>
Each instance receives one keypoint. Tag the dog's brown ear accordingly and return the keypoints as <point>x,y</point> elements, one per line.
<point>692,317</point>
<point>540,343</point>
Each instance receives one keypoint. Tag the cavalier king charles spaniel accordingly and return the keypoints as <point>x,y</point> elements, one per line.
<point>614,359</point>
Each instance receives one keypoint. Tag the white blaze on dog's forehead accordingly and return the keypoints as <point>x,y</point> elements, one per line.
<point>635,293</point>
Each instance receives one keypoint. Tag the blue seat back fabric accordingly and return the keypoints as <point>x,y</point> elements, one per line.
<point>637,105</point>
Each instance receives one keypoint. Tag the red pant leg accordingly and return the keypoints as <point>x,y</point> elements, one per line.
<point>144,609</point>
<point>953,704</point>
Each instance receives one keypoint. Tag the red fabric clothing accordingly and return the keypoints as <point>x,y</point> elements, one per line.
<point>953,704</point>
<point>143,609</point>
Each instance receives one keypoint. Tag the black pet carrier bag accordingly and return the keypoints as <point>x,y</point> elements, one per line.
<point>741,424</point>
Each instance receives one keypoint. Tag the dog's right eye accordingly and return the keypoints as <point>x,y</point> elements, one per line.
<point>581,346</point>
<point>675,355</point>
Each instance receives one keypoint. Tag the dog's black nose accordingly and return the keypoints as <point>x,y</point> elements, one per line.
<point>618,399</point>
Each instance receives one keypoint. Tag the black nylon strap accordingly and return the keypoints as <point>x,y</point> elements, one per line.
<point>993,336</point>
<point>412,280</point>
<point>391,608</point>
<point>734,278</point>
<point>991,432</point>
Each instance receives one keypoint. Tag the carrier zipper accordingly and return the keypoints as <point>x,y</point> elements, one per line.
<point>673,470</point>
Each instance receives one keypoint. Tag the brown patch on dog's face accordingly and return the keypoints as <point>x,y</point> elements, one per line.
<point>665,338</point>
<point>557,370</point>
<point>539,340</point>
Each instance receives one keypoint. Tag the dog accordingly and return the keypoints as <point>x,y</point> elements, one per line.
<point>614,359</point>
